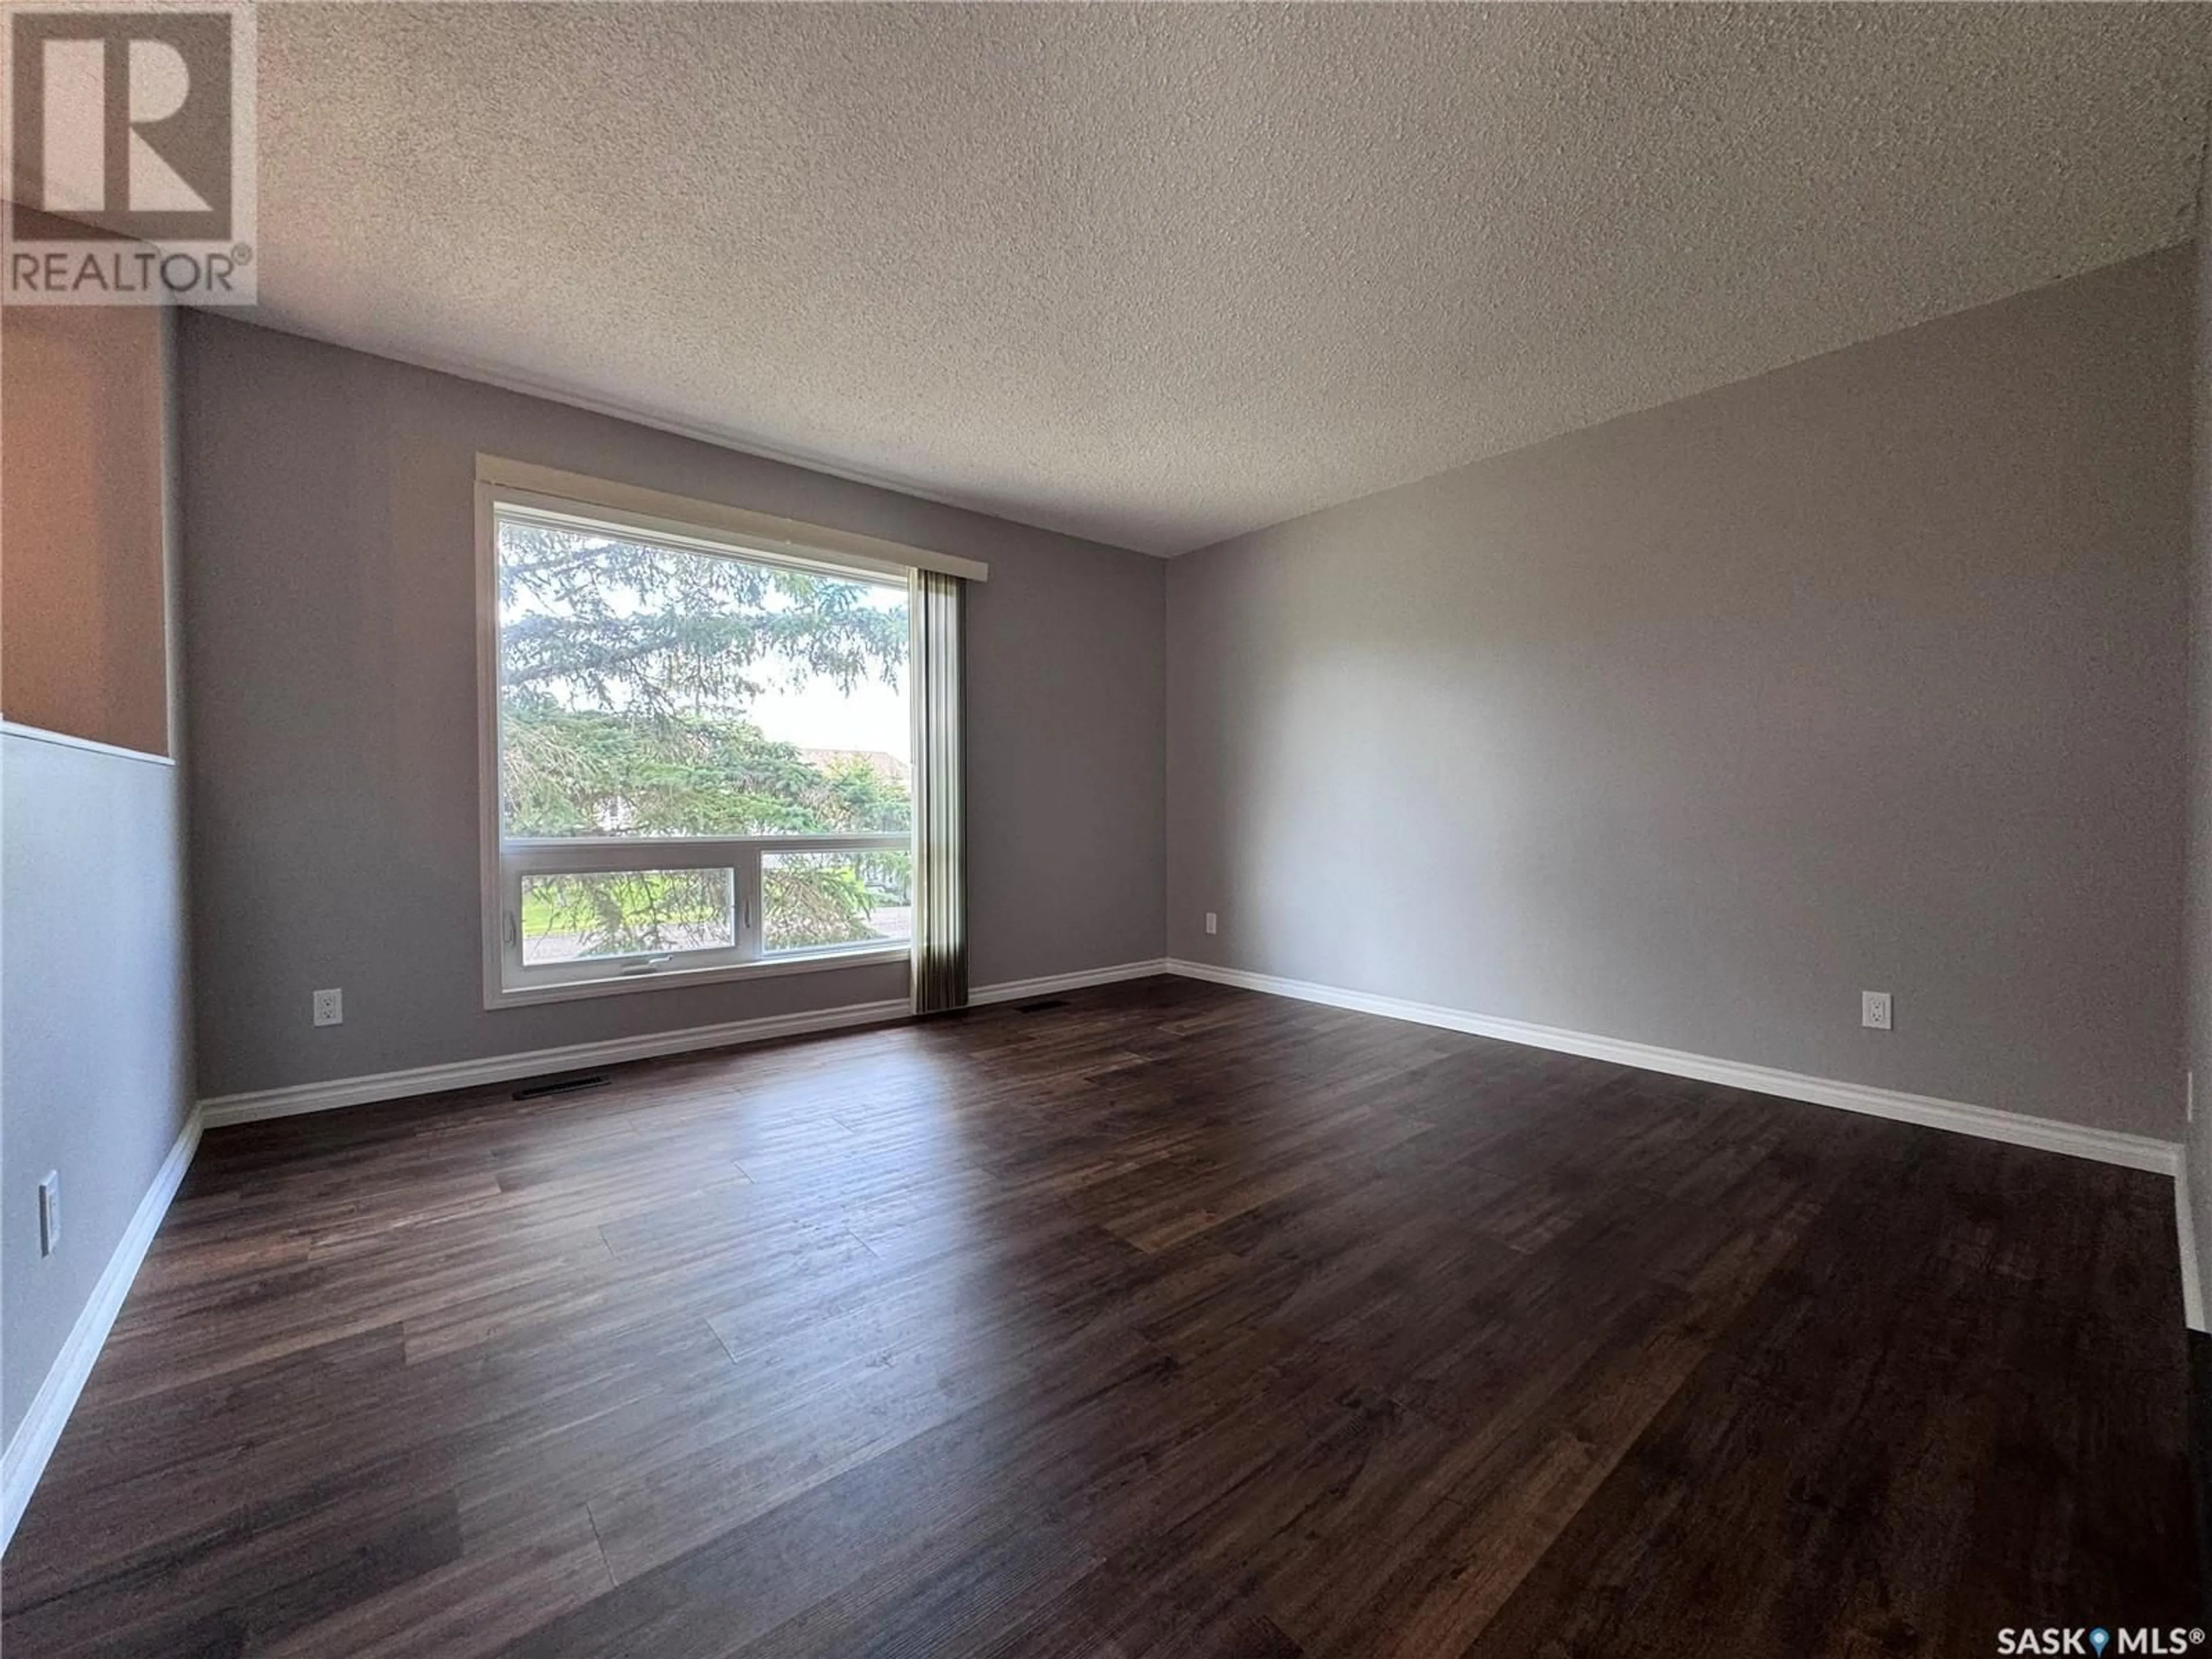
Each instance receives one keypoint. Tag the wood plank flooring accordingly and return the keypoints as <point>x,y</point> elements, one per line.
<point>1169,1321</point>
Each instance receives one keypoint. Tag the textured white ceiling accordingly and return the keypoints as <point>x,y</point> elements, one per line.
<point>1160,275</point>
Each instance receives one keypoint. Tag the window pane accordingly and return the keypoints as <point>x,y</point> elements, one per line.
<point>646,690</point>
<point>812,900</point>
<point>626,913</point>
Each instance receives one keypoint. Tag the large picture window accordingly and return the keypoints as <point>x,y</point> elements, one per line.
<point>702,754</point>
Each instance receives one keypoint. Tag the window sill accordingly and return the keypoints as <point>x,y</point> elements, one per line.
<point>620,985</point>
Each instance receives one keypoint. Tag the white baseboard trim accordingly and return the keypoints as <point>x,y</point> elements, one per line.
<point>2192,1273</point>
<point>222,1110</point>
<point>225,1110</point>
<point>2103,1146</point>
<point>25,1459</point>
<point>1017,990</point>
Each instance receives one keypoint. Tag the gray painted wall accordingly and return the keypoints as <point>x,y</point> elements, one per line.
<point>1866,674</point>
<point>330,607</point>
<point>95,1071</point>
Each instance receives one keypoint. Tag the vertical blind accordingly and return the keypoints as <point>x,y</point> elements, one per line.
<point>940,805</point>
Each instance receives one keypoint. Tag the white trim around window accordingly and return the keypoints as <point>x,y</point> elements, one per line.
<point>678,522</point>
<point>745,956</point>
<point>661,516</point>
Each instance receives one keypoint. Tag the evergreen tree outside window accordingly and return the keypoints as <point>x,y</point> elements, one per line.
<point>703,755</point>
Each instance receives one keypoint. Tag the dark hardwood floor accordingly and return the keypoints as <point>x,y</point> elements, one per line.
<point>1172,1320</point>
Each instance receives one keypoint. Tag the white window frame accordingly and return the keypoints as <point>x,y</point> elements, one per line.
<point>685,525</point>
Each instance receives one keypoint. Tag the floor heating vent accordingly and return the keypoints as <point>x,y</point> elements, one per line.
<point>567,1085</point>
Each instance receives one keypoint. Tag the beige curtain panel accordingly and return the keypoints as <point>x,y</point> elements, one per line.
<point>940,798</point>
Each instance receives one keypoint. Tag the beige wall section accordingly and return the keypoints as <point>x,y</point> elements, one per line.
<point>1866,674</point>
<point>81,603</point>
<point>330,606</point>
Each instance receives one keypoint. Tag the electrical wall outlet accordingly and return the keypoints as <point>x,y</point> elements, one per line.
<point>50,1212</point>
<point>1212,923</point>
<point>1873,1010</point>
<point>330,1007</point>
